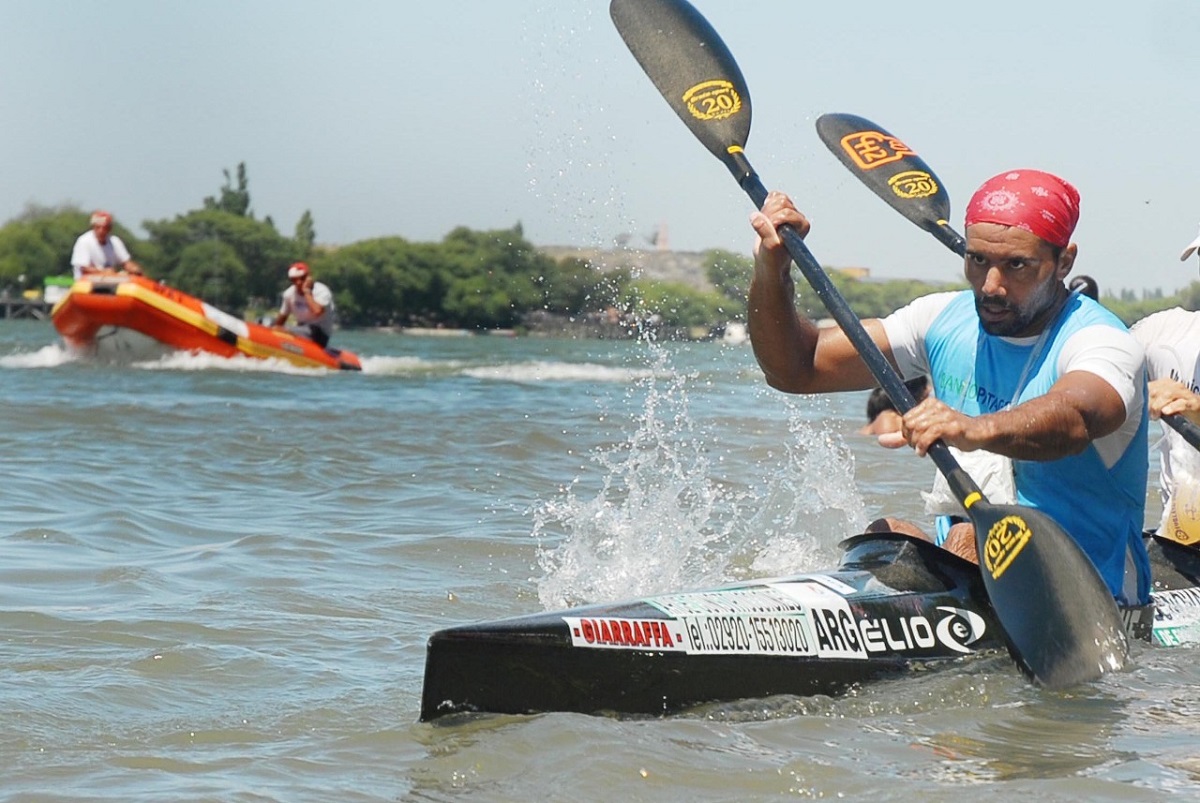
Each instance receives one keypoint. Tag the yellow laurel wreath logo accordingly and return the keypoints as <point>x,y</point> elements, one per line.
<point>713,100</point>
<point>913,184</point>
<point>1005,540</point>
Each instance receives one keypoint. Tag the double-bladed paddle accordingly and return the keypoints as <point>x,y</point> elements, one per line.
<point>895,173</point>
<point>1060,622</point>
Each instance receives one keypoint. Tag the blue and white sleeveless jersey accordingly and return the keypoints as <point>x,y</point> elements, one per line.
<point>1098,495</point>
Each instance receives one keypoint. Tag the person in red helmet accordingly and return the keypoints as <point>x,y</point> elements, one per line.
<point>1043,389</point>
<point>98,250</point>
<point>310,302</point>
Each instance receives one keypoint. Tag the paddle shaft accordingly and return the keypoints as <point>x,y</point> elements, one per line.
<point>949,237</point>
<point>957,478</point>
<point>1187,430</point>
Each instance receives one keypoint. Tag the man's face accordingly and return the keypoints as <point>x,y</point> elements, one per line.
<point>1017,278</point>
<point>102,231</point>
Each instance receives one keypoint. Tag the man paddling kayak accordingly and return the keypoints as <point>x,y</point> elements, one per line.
<point>1023,371</point>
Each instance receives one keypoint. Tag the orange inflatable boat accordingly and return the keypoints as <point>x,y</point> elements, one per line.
<point>181,322</point>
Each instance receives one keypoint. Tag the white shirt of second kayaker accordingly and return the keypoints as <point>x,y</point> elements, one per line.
<point>1172,342</point>
<point>296,305</point>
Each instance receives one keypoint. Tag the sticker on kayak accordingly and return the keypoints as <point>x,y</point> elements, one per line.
<point>1176,617</point>
<point>823,632</point>
<point>627,634</point>
<point>803,618</point>
<point>747,634</point>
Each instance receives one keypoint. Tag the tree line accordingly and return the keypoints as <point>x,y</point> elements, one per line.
<point>223,253</point>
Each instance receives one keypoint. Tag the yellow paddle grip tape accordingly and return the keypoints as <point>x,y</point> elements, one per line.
<point>971,499</point>
<point>943,222</point>
<point>734,149</point>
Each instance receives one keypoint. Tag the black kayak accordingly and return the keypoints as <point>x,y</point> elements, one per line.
<point>894,603</point>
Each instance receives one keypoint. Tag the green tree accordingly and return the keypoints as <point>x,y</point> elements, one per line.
<point>573,287</point>
<point>231,200</point>
<point>1189,297</point>
<point>478,302</point>
<point>680,304</point>
<point>212,270</point>
<point>492,275</point>
<point>730,273</point>
<point>306,233</point>
<point>392,281</point>
<point>260,249</point>
<point>25,258</point>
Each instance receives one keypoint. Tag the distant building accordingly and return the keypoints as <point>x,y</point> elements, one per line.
<point>685,267</point>
<point>861,274</point>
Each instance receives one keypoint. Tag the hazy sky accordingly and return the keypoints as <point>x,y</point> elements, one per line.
<point>410,118</point>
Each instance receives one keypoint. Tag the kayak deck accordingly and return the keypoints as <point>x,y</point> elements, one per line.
<point>893,603</point>
<point>815,633</point>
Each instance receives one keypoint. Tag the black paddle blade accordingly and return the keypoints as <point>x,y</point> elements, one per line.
<point>1061,623</point>
<point>692,68</point>
<point>892,170</point>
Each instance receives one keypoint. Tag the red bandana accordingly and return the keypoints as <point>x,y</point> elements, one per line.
<point>1037,202</point>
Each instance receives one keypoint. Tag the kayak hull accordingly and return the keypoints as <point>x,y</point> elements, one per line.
<point>893,604</point>
<point>810,634</point>
<point>181,322</point>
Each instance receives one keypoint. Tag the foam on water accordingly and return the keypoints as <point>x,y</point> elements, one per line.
<point>663,520</point>
<point>45,357</point>
<point>55,355</point>
<point>545,371</point>
<point>402,366</point>
<point>202,361</point>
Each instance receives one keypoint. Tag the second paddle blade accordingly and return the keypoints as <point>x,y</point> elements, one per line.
<point>692,68</point>
<point>1062,624</point>
<point>890,168</point>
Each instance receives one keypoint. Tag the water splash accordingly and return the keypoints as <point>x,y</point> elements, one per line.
<point>663,521</point>
<point>552,371</point>
<point>46,357</point>
<point>814,489</point>
<point>238,363</point>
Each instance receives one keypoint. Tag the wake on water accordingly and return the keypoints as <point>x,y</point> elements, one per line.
<point>55,355</point>
<point>151,356</point>
<point>663,521</point>
<point>664,518</point>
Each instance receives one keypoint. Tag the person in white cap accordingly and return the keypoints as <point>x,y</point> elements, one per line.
<point>98,250</point>
<point>1191,249</point>
<point>310,303</point>
<point>1171,339</point>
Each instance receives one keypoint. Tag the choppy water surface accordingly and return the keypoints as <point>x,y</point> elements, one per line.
<point>218,578</point>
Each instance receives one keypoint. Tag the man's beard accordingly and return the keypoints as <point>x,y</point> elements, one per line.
<point>1023,317</point>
